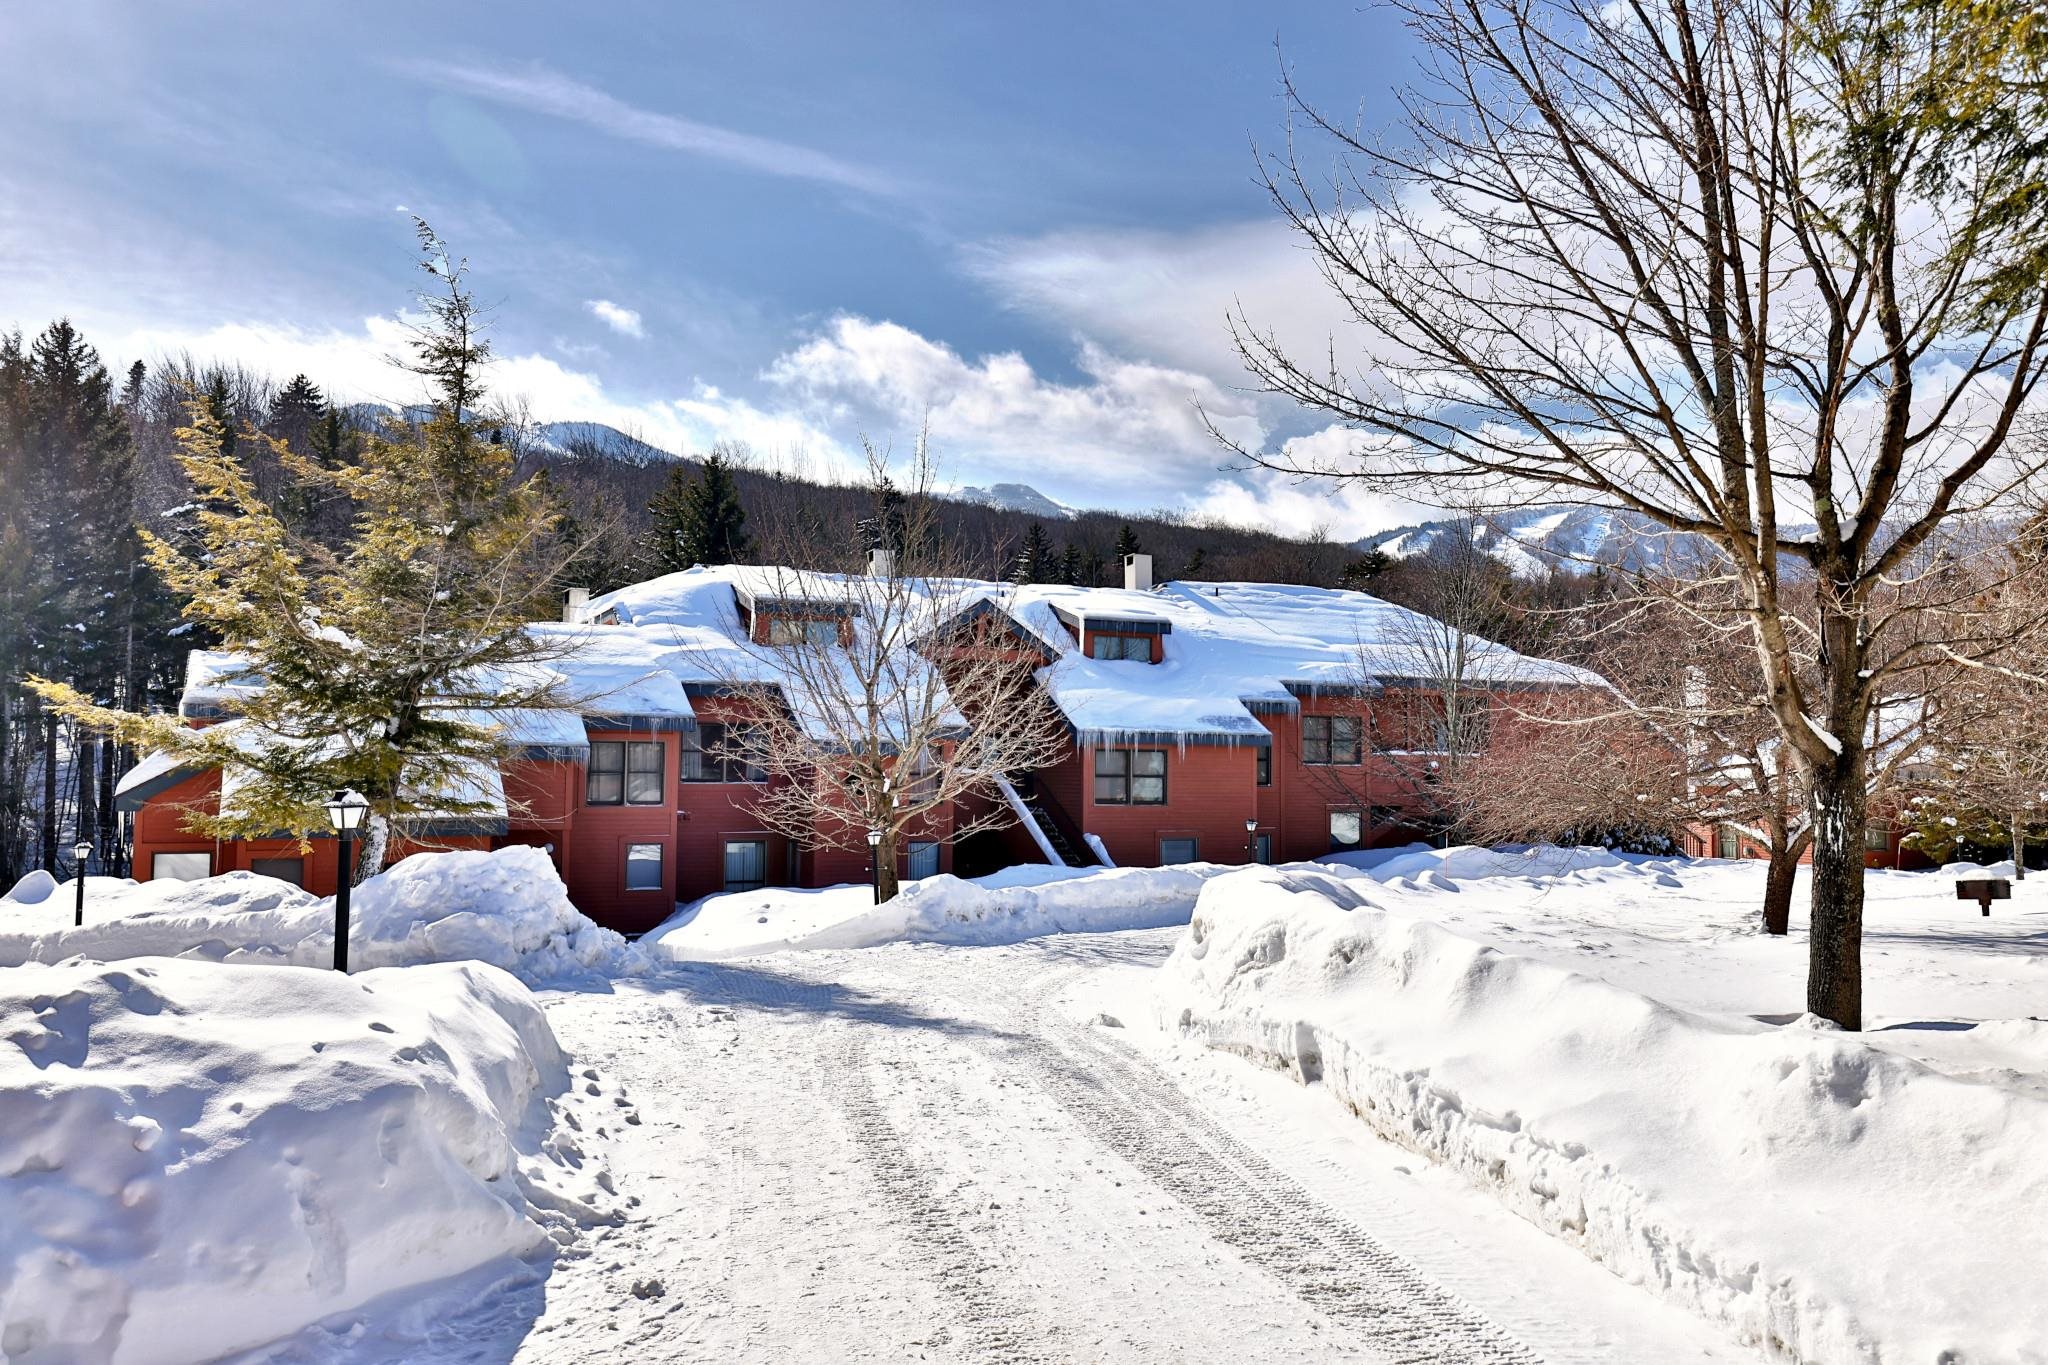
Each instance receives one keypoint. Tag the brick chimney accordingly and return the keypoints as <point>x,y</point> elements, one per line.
<point>1138,573</point>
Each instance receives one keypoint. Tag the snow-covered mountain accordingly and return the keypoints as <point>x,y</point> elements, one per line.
<point>562,438</point>
<point>1018,497</point>
<point>1532,540</point>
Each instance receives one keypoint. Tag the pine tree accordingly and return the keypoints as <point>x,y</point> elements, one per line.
<point>1034,561</point>
<point>1126,542</point>
<point>1070,565</point>
<point>375,663</point>
<point>1359,574</point>
<point>699,520</point>
<point>299,418</point>
<point>1198,563</point>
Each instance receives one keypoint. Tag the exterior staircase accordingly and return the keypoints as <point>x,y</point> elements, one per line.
<point>1049,824</point>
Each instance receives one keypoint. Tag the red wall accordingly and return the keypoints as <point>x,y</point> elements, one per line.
<point>1209,795</point>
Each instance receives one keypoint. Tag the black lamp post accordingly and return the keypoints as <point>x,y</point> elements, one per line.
<point>345,813</point>
<point>875,862</point>
<point>80,851</point>
<point>1251,839</point>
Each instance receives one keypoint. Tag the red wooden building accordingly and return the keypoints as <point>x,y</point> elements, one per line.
<point>1219,722</point>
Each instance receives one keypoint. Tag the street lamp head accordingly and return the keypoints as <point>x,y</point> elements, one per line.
<point>874,838</point>
<point>345,812</point>
<point>82,850</point>
<point>1251,825</point>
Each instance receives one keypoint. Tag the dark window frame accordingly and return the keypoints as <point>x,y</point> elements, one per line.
<point>1364,829</point>
<point>634,758</point>
<point>726,881</point>
<point>1320,741</point>
<point>1122,648</point>
<point>1194,850</point>
<point>1264,765</point>
<point>660,861</point>
<point>710,755</point>
<point>1125,777</point>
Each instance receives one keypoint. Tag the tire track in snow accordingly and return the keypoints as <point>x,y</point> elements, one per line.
<point>1264,1216</point>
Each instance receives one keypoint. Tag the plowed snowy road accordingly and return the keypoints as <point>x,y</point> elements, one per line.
<point>926,1153</point>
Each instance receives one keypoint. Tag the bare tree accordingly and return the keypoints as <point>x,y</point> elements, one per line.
<point>1710,263</point>
<point>883,699</point>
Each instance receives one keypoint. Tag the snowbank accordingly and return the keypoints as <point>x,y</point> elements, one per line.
<point>1827,1199</point>
<point>197,1158</point>
<point>507,908</point>
<point>1016,903</point>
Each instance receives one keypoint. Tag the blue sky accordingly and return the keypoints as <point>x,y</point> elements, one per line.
<point>790,224</point>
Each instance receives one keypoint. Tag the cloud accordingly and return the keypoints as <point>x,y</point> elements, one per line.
<point>622,320</point>
<point>541,91</point>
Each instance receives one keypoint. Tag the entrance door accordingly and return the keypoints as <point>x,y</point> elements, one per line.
<point>746,864</point>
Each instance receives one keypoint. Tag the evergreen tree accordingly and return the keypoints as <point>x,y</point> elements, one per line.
<point>1034,561</point>
<point>1126,542</point>
<point>1070,565</point>
<point>1359,574</point>
<point>1198,563</point>
<point>699,520</point>
<point>376,662</point>
<point>299,418</point>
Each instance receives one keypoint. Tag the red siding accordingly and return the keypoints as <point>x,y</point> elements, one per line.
<point>1209,795</point>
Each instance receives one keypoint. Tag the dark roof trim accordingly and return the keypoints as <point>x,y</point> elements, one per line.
<point>1126,739</point>
<point>553,753</point>
<point>132,800</point>
<point>1116,625</point>
<point>1316,691</point>
<point>622,724</point>
<point>199,710</point>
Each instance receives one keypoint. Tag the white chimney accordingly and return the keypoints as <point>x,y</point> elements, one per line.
<point>881,563</point>
<point>1138,573</point>
<point>576,606</point>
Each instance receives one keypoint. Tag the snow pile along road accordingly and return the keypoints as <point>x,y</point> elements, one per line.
<point>1014,904</point>
<point>1825,1199</point>
<point>508,908</point>
<point>198,1158</point>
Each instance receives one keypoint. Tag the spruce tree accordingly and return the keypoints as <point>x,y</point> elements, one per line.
<point>1126,542</point>
<point>1034,560</point>
<point>1198,563</point>
<point>376,663</point>
<point>1070,565</point>
<point>699,520</point>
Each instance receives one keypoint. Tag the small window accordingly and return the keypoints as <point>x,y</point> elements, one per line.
<point>746,864</point>
<point>1329,739</point>
<point>1347,830</point>
<point>1265,763</point>
<point>796,630</point>
<point>643,867</point>
<point>1173,851</point>
<point>1265,847</point>
<point>1877,837</point>
<point>1134,647</point>
<point>1728,842</point>
<point>181,867</point>
<point>291,870</point>
<point>623,773</point>
<point>718,753</point>
<point>924,860</point>
<point>1130,777</point>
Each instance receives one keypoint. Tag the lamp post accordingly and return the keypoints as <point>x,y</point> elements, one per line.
<point>345,813</point>
<point>1251,839</point>
<point>875,862</point>
<point>80,851</point>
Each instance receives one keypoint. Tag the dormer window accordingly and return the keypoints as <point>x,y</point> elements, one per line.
<point>1138,647</point>
<point>799,630</point>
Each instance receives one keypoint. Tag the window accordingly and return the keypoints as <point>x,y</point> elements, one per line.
<point>1728,842</point>
<point>1265,764</point>
<point>643,867</point>
<point>1130,777</point>
<point>717,753</point>
<point>1329,739</point>
<point>1347,830</point>
<point>181,867</point>
<point>1173,851</point>
<point>291,870</point>
<point>623,773</point>
<point>924,859</point>
<point>924,777</point>
<point>1138,647</point>
<point>746,864</point>
<point>1265,848</point>
<point>1877,837</point>
<point>797,630</point>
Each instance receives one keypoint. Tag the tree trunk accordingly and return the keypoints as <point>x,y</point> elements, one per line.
<point>49,827</point>
<point>1784,868</point>
<point>1834,974</point>
<point>109,824</point>
<point>2019,847</point>
<point>885,869</point>
<point>369,850</point>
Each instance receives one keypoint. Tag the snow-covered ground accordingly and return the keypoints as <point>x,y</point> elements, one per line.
<point>1631,1072</point>
<point>507,908</point>
<point>1007,1139</point>
<point>197,1158</point>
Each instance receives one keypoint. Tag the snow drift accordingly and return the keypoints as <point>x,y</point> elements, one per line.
<point>1016,903</point>
<point>507,907</point>
<point>1825,1199</point>
<point>198,1158</point>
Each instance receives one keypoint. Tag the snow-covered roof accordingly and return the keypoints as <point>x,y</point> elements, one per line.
<point>1233,650</point>
<point>214,682</point>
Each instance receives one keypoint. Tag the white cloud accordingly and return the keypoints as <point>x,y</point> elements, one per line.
<point>1306,504</point>
<point>541,91</point>
<point>622,320</point>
